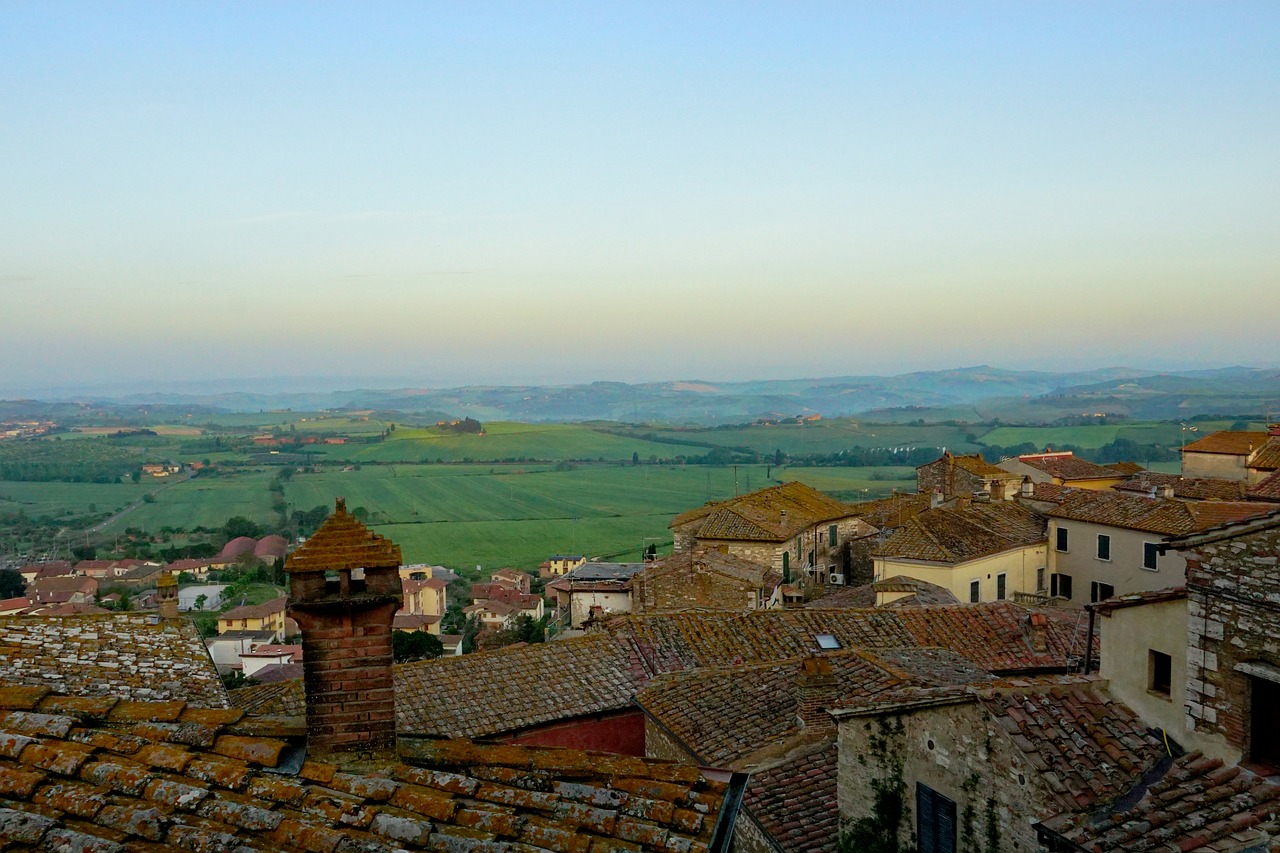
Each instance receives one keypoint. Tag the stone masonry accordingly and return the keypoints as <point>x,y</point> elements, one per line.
<point>1233,631</point>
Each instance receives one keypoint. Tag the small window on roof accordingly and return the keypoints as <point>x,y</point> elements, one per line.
<point>827,641</point>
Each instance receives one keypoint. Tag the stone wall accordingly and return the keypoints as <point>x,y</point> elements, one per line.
<point>1233,623</point>
<point>956,751</point>
<point>677,588</point>
<point>659,744</point>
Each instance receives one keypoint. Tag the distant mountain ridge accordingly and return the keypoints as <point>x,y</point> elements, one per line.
<point>969,393</point>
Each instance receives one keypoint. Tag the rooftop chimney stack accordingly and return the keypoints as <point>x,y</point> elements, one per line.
<point>817,692</point>
<point>1038,632</point>
<point>167,595</point>
<point>935,499</point>
<point>344,590</point>
<point>1028,487</point>
<point>1165,491</point>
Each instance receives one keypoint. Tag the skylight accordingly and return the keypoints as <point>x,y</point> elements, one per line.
<point>827,641</point>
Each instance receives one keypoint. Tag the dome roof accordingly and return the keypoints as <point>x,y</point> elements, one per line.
<point>272,546</point>
<point>237,547</point>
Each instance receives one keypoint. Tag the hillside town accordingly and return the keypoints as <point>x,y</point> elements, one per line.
<point>1031,653</point>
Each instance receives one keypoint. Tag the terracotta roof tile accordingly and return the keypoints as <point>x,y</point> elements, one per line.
<point>1153,515</point>
<point>1237,443</point>
<point>342,542</point>
<point>1268,458</point>
<point>109,793</point>
<point>1187,488</point>
<point>1199,804</point>
<point>1267,489</point>
<point>771,515</point>
<point>119,654</point>
<point>795,800</point>
<point>968,531</point>
<point>919,593</point>
<point>1067,466</point>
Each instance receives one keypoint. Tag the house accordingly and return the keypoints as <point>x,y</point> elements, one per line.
<point>978,550</point>
<point>1267,489</point>
<point>113,775</point>
<point>513,579</point>
<point>1234,455</point>
<point>252,662</point>
<point>268,616</point>
<point>1103,544</point>
<point>72,589</point>
<point>14,606</point>
<point>963,476</point>
<point>559,564</point>
<point>593,591</point>
<point>53,569</point>
<point>896,591</point>
<point>423,605</point>
<point>227,648</point>
<point>704,580</point>
<point>1063,468</point>
<point>786,528</point>
<point>198,568</point>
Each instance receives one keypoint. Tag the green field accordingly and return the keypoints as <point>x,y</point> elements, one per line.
<point>500,441</point>
<point>37,499</point>
<point>207,501</point>
<point>1093,436</point>
<point>828,436</point>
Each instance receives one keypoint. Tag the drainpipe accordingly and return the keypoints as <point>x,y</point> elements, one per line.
<point>1088,640</point>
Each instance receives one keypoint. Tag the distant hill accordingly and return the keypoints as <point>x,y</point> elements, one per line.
<point>979,393</point>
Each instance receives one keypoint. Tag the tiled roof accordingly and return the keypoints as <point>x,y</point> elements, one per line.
<point>271,699</point>
<point>1126,468</point>
<point>732,716</point>
<point>1089,749</point>
<point>1050,492</point>
<point>342,542</point>
<point>974,464</point>
<point>966,532</point>
<point>130,655</point>
<point>509,689</point>
<point>1226,441</point>
<point>994,636</point>
<point>1066,466</point>
<point>1198,805</point>
<point>1137,599</point>
<point>795,801</point>
<point>112,776</point>
<point>1165,516</point>
<point>774,514</point>
<point>1188,488</point>
<point>1267,489</point>
<point>892,511</point>
<point>1268,458</point>
<point>255,611</point>
<point>921,593</point>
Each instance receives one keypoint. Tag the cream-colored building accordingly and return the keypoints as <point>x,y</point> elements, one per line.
<point>1234,455</point>
<point>268,616</point>
<point>1104,544</point>
<point>978,550</point>
<point>1063,468</point>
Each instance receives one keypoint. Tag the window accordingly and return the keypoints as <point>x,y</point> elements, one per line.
<point>935,821</point>
<point>1104,546</point>
<point>1159,673</point>
<point>786,566</point>
<point>1264,734</point>
<point>831,536</point>
<point>1060,586</point>
<point>975,591</point>
<point>1060,543</point>
<point>812,562</point>
<point>1002,586</point>
<point>1150,555</point>
<point>827,641</point>
<point>1101,591</point>
<point>1040,587</point>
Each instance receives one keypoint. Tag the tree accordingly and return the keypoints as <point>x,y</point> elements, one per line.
<point>238,526</point>
<point>414,645</point>
<point>11,584</point>
<point>635,457</point>
<point>200,601</point>
<point>84,552</point>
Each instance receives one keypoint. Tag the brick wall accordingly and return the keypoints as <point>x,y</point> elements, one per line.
<point>1233,619</point>
<point>675,588</point>
<point>347,665</point>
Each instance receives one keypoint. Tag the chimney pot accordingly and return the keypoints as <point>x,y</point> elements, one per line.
<point>1028,487</point>
<point>1038,632</point>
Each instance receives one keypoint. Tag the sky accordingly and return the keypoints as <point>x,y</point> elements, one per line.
<point>439,194</point>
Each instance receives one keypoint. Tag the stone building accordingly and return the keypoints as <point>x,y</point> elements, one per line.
<point>1233,639</point>
<point>704,580</point>
<point>962,476</point>
<point>792,528</point>
<point>1234,455</point>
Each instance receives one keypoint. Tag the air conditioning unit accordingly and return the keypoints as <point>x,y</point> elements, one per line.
<point>835,580</point>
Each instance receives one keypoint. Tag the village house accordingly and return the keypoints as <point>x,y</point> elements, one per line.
<point>118,774</point>
<point>1234,455</point>
<point>33,572</point>
<point>1103,544</point>
<point>254,661</point>
<point>793,529</point>
<point>266,617</point>
<point>593,591</point>
<point>963,476</point>
<point>1063,468</point>
<point>705,580</point>
<point>72,589</point>
<point>1154,484</point>
<point>424,604</point>
<point>559,564</point>
<point>978,550</point>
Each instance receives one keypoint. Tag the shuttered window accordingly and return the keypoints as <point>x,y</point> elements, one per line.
<point>935,821</point>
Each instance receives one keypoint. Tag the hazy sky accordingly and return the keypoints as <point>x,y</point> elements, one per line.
<point>535,191</point>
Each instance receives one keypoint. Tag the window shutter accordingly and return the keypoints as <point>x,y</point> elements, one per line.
<point>925,819</point>
<point>946,811</point>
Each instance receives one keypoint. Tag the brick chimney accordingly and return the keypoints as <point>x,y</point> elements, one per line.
<point>816,691</point>
<point>344,590</point>
<point>1038,632</point>
<point>167,595</point>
